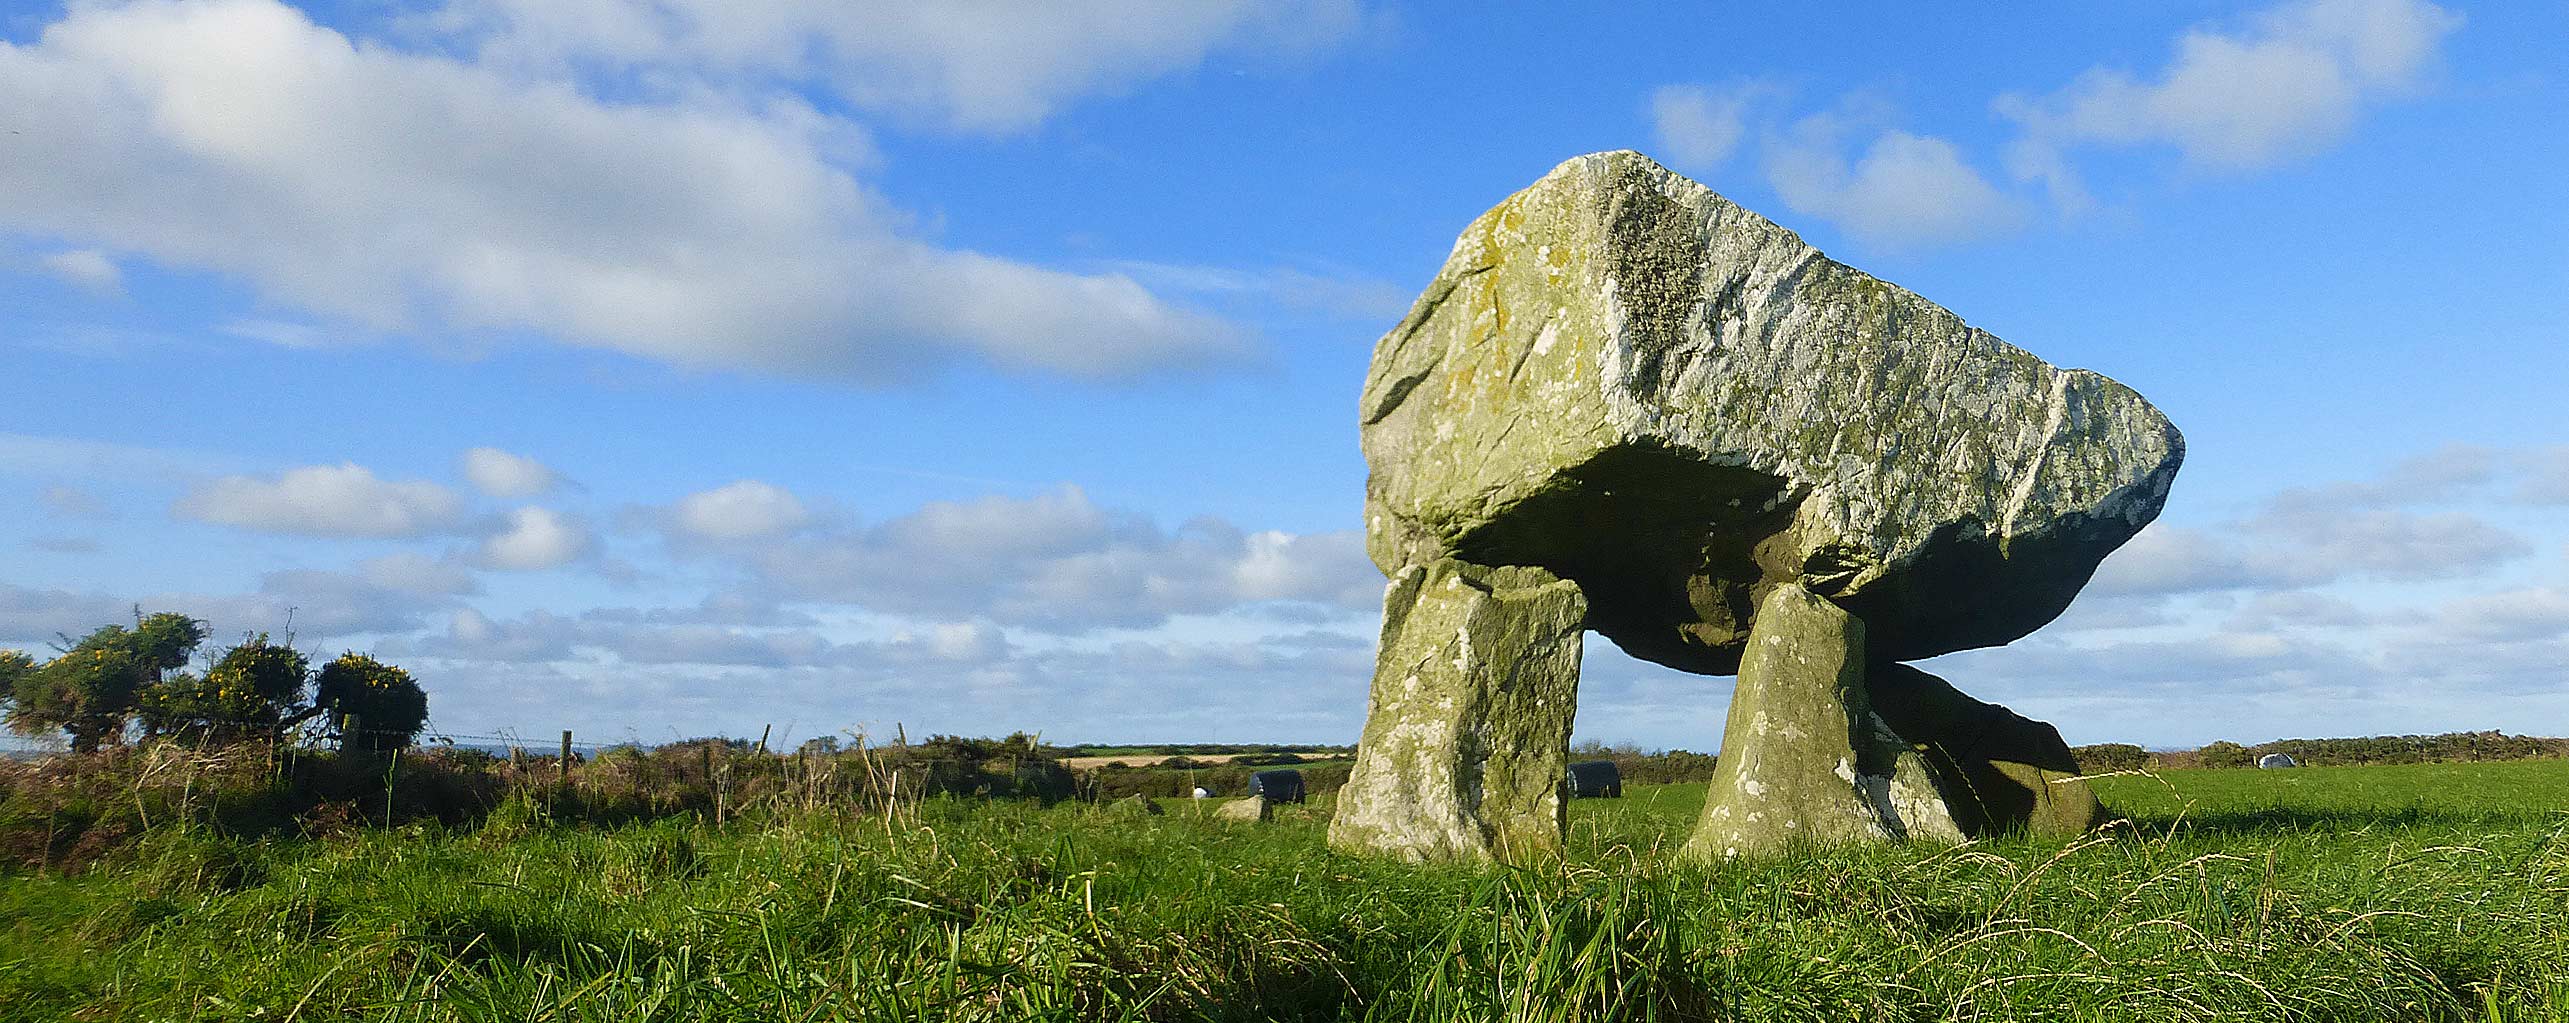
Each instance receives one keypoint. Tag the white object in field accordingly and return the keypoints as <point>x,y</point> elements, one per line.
<point>1203,793</point>
<point>2277,760</point>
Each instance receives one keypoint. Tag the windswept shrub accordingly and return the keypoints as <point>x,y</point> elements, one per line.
<point>1641,768</point>
<point>2110,756</point>
<point>90,691</point>
<point>385,703</point>
<point>248,693</point>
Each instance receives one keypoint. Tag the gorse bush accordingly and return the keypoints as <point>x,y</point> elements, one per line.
<point>89,691</point>
<point>2110,756</point>
<point>107,682</point>
<point>1642,768</point>
<point>248,693</point>
<point>374,706</point>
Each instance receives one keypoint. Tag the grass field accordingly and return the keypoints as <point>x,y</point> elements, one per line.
<point>2425,892</point>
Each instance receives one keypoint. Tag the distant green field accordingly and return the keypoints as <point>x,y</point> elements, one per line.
<point>2346,794</point>
<point>2426,892</point>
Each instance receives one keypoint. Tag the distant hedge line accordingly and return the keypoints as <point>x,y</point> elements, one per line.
<point>2378,749</point>
<point>1200,749</point>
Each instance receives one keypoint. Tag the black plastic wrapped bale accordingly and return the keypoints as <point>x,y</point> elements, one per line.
<point>1595,779</point>
<point>1277,786</point>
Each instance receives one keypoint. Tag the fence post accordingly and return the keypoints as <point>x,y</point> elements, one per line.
<point>564,774</point>
<point>762,738</point>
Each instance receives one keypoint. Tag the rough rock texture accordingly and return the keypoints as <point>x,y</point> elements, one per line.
<point>1251,809</point>
<point>1804,759</point>
<point>1629,381</point>
<point>1690,431</point>
<point>1467,731</point>
<point>1135,806</point>
<point>1999,770</point>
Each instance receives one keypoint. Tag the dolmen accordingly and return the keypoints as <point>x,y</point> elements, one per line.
<point>1628,405</point>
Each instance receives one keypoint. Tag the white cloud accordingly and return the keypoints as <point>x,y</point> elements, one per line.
<point>1333,293</point>
<point>718,608</point>
<point>741,510</point>
<point>2289,82</point>
<point>1698,128</point>
<point>2295,609</point>
<point>975,66</point>
<point>2546,476</point>
<point>312,605</point>
<point>547,671</point>
<point>32,616</point>
<point>64,545</point>
<point>285,334</point>
<point>325,500</point>
<point>962,641</point>
<point>535,538</point>
<point>501,474</point>
<point>2387,543</point>
<point>472,635</point>
<point>1904,191</point>
<point>402,191</point>
<point>2540,613</point>
<point>1058,561</point>
<point>2388,527</point>
<point>72,457</point>
<point>416,573</point>
<point>73,503</point>
<point>88,268</point>
<point>2165,559</point>
<point>651,637</point>
<point>1276,565</point>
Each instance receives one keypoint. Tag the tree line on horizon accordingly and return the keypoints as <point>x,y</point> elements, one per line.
<point>100,689</point>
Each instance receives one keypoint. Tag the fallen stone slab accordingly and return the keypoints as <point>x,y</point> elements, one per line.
<point>2000,771</point>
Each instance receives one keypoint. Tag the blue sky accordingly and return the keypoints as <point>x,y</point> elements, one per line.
<point>657,368</point>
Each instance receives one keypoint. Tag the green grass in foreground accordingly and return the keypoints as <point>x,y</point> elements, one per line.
<point>2425,892</point>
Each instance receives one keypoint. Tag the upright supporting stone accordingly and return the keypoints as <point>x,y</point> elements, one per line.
<point>1804,761</point>
<point>2000,771</point>
<point>1467,732</point>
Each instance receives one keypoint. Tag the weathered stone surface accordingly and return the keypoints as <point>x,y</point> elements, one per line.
<point>1251,809</point>
<point>1998,770</point>
<point>1467,731</point>
<point>1629,381</point>
<point>1135,806</point>
<point>1804,759</point>
<point>1924,814</point>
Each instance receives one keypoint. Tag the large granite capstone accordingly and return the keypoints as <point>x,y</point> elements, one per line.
<point>1673,413</point>
<point>1637,385</point>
